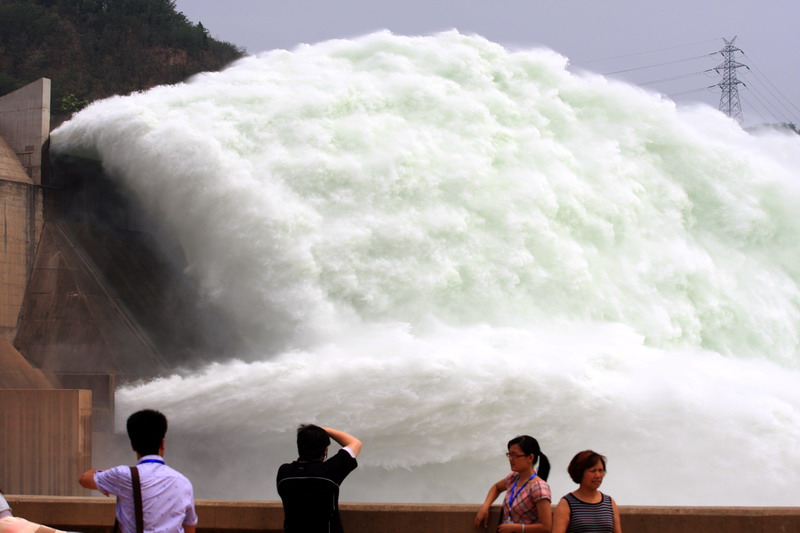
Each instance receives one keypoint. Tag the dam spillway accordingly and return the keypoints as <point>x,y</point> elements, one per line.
<point>437,244</point>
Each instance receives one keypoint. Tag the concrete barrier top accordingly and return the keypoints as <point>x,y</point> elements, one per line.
<point>96,514</point>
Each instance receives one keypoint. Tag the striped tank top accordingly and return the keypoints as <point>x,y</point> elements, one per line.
<point>590,517</point>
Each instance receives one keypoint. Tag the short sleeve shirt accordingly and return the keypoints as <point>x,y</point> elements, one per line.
<point>167,496</point>
<point>310,493</point>
<point>5,509</point>
<point>519,505</point>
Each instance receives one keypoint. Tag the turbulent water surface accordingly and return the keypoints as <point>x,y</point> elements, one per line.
<point>439,244</point>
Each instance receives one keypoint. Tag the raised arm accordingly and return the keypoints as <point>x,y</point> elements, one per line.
<point>344,439</point>
<point>482,518</point>
<point>87,480</point>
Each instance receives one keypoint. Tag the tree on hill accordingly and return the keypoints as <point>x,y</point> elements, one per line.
<point>779,126</point>
<point>92,49</point>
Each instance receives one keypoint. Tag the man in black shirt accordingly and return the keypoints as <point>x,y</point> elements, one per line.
<point>309,487</point>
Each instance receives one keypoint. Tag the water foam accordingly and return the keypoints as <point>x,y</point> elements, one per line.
<point>440,244</point>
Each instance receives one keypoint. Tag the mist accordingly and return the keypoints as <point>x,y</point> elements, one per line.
<point>439,244</point>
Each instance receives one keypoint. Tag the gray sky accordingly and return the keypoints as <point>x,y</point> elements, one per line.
<point>660,40</point>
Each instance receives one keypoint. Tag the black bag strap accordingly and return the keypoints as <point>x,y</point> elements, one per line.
<point>137,499</point>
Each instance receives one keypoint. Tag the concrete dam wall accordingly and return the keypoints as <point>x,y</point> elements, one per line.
<point>96,515</point>
<point>90,300</point>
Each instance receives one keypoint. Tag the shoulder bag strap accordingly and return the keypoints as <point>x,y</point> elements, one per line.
<point>137,499</point>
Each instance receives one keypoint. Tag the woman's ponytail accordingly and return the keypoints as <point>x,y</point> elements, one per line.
<point>544,466</point>
<point>529,445</point>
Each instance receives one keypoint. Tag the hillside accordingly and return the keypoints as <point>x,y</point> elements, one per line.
<point>92,49</point>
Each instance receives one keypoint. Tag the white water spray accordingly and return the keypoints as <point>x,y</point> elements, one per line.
<point>441,244</point>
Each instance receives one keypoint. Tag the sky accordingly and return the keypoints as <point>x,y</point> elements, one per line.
<point>666,46</point>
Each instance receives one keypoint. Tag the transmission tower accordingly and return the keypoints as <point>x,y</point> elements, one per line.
<point>729,99</point>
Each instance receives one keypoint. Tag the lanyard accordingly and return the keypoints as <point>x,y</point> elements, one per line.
<point>512,494</point>
<point>160,461</point>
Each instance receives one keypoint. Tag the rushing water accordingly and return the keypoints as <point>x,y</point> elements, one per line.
<point>439,244</point>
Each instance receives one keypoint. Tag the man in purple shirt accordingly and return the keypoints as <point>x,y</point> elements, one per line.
<point>167,496</point>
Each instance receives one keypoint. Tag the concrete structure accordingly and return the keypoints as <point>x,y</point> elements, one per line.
<point>88,300</point>
<point>17,373</point>
<point>24,125</point>
<point>73,290</point>
<point>75,327</point>
<point>46,433</point>
<point>96,515</point>
<point>19,224</point>
<point>46,440</point>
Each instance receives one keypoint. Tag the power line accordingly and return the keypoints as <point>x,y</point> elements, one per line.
<point>765,94</point>
<point>682,76</point>
<point>657,65</point>
<point>757,109</point>
<point>692,91</point>
<point>774,100</point>
<point>765,107</point>
<point>771,106</point>
<point>646,52</point>
<point>768,80</point>
<point>758,76</point>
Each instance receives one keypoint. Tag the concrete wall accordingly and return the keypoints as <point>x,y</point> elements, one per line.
<point>17,373</point>
<point>73,322</point>
<point>20,217</point>
<point>24,130</point>
<point>25,123</point>
<point>96,515</point>
<point>45,440</point>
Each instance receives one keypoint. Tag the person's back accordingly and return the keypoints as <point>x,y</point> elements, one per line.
<point>310,495</point>
<point>309,487</point>
<point>167,495</point>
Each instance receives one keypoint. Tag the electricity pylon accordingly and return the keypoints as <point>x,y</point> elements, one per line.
<point>729,99</point>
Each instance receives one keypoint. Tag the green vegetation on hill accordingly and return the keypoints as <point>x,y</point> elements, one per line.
<point>92,49</point>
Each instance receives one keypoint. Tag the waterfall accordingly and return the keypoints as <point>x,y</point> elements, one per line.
<point>440,244</point>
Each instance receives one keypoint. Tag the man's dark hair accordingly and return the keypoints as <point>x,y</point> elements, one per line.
<point>311,442</point>
<point>146,430</point>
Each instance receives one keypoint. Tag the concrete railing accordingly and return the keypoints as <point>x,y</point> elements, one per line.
<point>96,515</point>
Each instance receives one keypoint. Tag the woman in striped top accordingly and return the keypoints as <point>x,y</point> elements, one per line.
<point>587,510</point>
